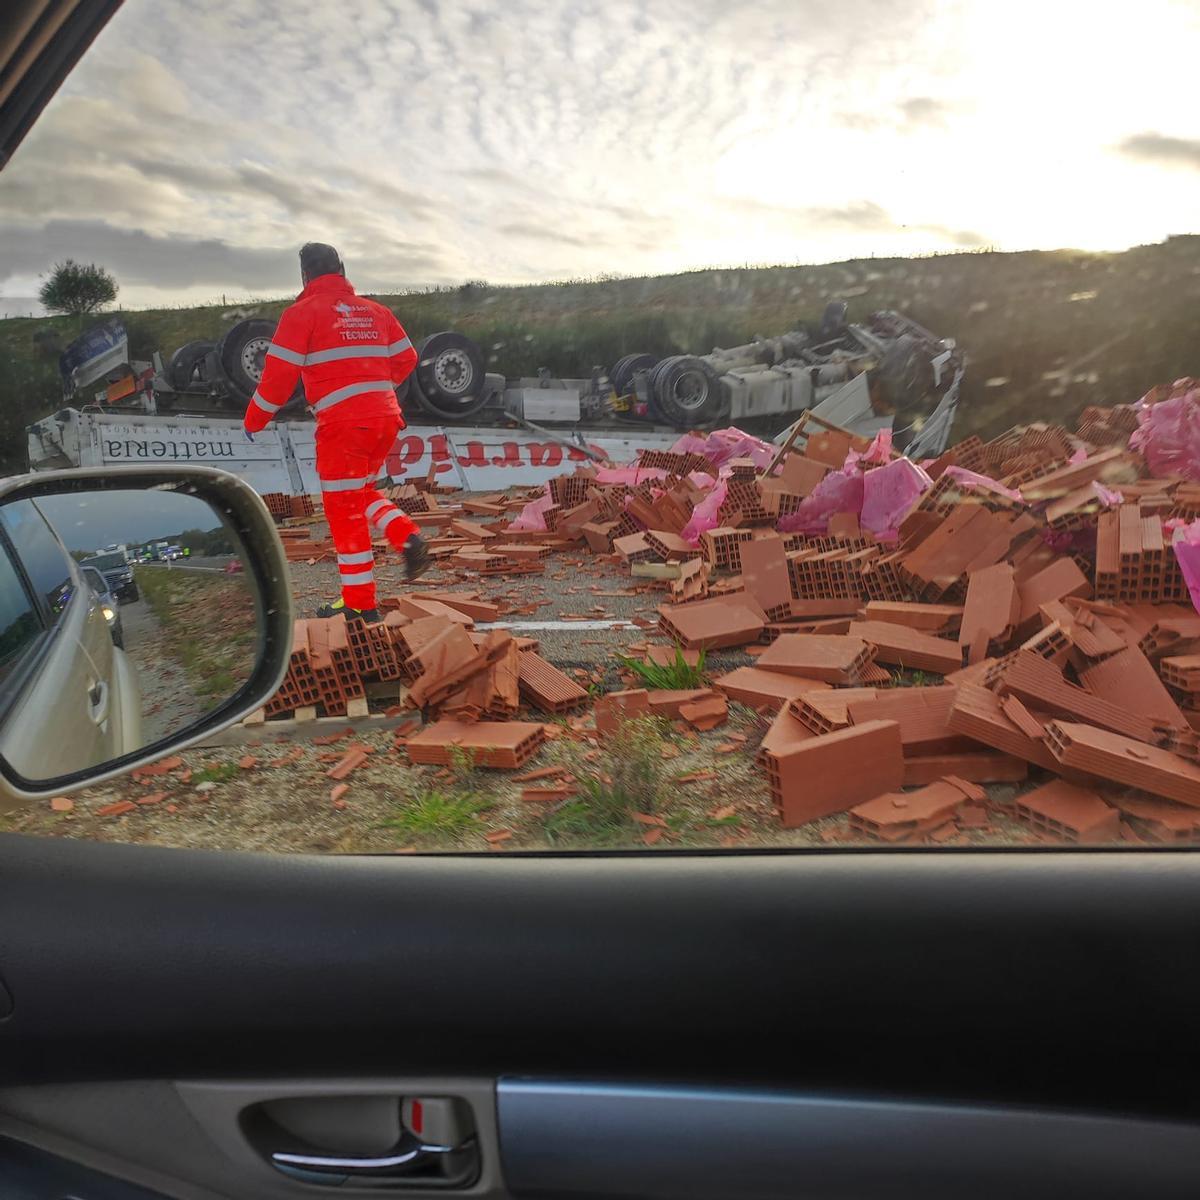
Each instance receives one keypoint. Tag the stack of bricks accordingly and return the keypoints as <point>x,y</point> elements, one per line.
<point>282,506</point>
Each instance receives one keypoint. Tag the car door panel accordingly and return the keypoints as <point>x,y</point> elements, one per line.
<point>75,673</point>
<point>994,981</point>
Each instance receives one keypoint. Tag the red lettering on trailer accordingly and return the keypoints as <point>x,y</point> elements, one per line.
<point>439,451</point>
<point>545,454</point>
<point>511,456</point>
<point>474,456</point>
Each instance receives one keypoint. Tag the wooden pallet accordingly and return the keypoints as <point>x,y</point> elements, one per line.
<point>304,722</point>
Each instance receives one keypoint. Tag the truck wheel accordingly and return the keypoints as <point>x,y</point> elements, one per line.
<point>833,321</point>
<point>243,353</point>
<point>621,376</point>
<point>449,382</point>
<point>688,391</point>
<point>185,362</point>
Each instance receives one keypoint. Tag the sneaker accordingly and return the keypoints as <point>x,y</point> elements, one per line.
<point>416,557</point>
<point>338,609</point>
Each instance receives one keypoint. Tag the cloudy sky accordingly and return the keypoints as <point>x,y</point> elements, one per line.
<point>200,142</point>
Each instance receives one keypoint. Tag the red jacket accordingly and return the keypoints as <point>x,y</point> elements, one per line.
<point>350,351</point>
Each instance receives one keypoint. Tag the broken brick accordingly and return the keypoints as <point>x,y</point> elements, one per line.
<point>706,713</point>
<point>835,771</point>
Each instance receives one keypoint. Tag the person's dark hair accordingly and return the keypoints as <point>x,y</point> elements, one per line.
<point>316,258</point>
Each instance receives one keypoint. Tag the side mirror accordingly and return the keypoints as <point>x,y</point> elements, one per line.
<point>116,647</point>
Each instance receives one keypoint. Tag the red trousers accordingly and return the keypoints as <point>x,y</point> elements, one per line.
<point>350,455</point>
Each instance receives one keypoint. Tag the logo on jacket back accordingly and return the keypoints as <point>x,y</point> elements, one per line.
<point>352,328</point>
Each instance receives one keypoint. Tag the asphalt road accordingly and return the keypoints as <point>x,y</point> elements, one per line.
<point>193,563</point>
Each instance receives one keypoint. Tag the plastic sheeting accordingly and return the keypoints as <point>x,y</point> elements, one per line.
<point>888,494</point>
<point>972,481</point>
<point>724,444</point>
<point>532,516</point>
<point>704,514</point>
<point>1186,544</point>
<point>1168,432</point>
<point>839,492</point>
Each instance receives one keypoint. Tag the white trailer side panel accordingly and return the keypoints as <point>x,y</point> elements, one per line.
<point>282,458</point>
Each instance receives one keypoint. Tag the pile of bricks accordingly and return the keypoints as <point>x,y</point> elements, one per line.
<point>1032,596</point>
<point>428,641</point>
<point>1024,622</point>
<point>283,507</point>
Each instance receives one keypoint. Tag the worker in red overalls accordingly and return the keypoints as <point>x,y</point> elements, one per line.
<point>351,353</point>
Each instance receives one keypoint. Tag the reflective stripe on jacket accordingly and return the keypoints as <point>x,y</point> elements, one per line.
<point>350,351</point>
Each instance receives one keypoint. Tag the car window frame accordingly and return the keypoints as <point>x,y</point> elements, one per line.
<point>50,620</point>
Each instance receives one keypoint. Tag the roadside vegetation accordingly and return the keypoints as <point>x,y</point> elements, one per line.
<point>209,626</point>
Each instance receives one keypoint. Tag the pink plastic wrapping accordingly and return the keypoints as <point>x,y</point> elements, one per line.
<point>1186,545</point>
<point>630,475</point>
<point>1107,496</point>
<point>839,492</point>
<point>888,494</point>
<point>704,515</point>
<point>723,444</point>
<point>879,451</point>
<point>531,516</point>
<point>1168,432</point>
<point>972,481</point>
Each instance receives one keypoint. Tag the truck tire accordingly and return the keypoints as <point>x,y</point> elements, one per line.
<point>833,321</point>
<point>621,376</point>
<point>185,362</point>
<point>243,351</point>
<point>688,391</point>
<point>449,382</point>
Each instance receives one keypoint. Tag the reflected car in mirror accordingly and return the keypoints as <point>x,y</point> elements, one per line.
<point>109,659</point>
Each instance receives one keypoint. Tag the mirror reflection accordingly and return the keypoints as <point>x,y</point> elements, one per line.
<point>125,617</point>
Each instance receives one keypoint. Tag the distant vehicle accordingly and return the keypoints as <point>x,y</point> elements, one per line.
<point>109,604</point>
<point>118,574</point>
<point>171,553</point>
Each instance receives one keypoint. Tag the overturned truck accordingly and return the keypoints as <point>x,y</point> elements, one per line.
<point>888,370</point>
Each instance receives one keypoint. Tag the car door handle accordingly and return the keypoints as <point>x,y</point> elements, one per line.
<point>410,1156</point>
<point>98,702</point>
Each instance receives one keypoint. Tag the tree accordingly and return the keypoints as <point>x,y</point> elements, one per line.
<point>75,289</point>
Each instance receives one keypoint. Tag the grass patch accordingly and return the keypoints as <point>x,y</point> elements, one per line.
<point>903,677</point>
<point>209,627</point>
<point>217,773</point>
<point>437,815</point>
<point>630,778</point>
<point>674,676</point>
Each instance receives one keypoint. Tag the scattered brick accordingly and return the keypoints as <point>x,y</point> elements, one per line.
<point>349,762</point>
<point>117,809</point>
<point>1068,813</point>
<point>1110,756</point>
<point>904,647</point>
<point>706,713</point>
<point>831,773</point>
<point>617,707</point>
<point>978,767</point>
<point>833,659</point>
<point>898,816</point>
<point>499,744</point>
